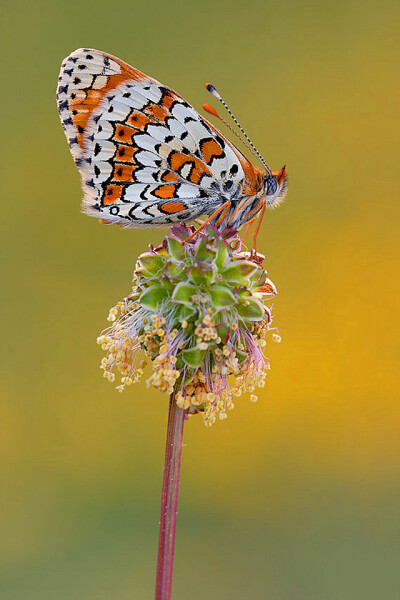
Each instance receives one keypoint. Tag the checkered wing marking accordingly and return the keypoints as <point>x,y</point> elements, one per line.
<point>145,155</point>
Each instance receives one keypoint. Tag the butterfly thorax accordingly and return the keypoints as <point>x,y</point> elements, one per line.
<point>246,200</point>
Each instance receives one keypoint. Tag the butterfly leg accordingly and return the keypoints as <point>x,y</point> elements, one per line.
<point>255,234</point>
<point>224,207</point>
<point>248,227</point>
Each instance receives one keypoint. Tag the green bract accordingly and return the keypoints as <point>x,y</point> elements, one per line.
<point>207,272</point>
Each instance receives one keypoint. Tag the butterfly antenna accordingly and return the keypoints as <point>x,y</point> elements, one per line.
<point>211,110</point>
<point>210,88</point>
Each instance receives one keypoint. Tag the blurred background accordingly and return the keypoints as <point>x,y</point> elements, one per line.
<point>292,498</point>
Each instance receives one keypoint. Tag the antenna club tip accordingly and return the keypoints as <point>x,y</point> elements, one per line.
<point>210,88</point>
<point>211,110</point>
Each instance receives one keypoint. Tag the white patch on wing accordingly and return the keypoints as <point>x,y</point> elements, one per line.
<point>145,141</point>
<point>158,132</point>
<point>176,128</point>
<point>185,170</point>
<point>104,130</point>
<point>149,159</point>
<point>119,112</point>
<point>99,82</point>
<point>133,191</point>
<point>107,151</point>
<point>105,171</point>
<point>81,80</point>
<point>182,112</point>
<point>186,190</point>
<point>145,175</point>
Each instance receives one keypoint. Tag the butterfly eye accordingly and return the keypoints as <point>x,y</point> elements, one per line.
<point>271,185</point>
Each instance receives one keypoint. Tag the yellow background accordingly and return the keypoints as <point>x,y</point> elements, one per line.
<point>295,497</point>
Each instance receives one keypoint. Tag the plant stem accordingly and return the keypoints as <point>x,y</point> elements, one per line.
<point>169,500</point>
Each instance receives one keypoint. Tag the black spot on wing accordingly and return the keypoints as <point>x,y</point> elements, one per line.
<point>228,186</point>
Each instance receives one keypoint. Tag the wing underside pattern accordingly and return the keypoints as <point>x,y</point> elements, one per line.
<point>145,155</point>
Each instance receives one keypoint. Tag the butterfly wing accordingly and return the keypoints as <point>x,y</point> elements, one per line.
<point>145,155</point>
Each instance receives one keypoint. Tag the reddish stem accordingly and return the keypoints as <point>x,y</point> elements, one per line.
<point>169,500</point>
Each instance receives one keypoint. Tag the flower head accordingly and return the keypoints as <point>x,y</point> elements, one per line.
<point>197,312</point>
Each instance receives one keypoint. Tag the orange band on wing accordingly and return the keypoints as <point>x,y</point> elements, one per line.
<point>138,120</point>
<point>165,191</point>
<point>126,154</point>
<point>172,207</point>
<point>112,193</point>
<point>123,173</point>
<point>177,160</point>
<point>123,134</point>
<point>157,112</point>
<point>170,177</point>
<point>211,149</point>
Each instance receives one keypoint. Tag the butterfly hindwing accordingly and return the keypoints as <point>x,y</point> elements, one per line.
<point>145,155</point>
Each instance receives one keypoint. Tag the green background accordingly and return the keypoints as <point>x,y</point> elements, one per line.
<point>292,498</point>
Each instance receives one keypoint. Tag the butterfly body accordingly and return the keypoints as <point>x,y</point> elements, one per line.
<point>146,156</point>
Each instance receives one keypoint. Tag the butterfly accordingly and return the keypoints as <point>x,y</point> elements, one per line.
<point>148,158</point>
